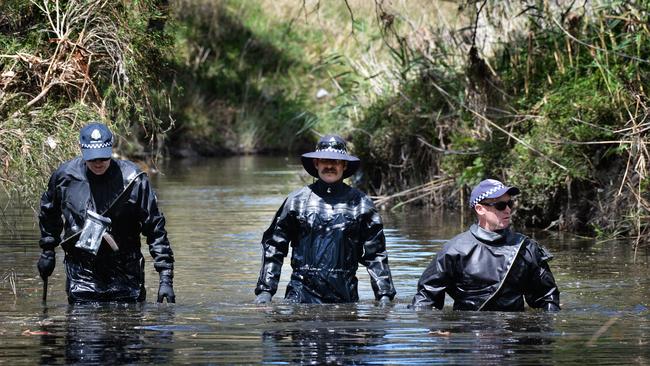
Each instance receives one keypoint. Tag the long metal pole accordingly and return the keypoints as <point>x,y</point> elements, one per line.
<point>45,290</point>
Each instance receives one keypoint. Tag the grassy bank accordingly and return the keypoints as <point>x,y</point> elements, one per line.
<point>63,64</point>
<point>557,107</point>
<point>271,75</point>
<point>433,96</point>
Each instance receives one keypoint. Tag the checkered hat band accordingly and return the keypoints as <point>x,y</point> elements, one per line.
<point>340,151</point>
<point>97,146</point>
<point>485,194</point>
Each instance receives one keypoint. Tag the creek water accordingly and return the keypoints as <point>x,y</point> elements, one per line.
<point>216,211</point>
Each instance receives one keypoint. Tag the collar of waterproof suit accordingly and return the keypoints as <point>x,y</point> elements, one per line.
<point>490,237</point>
<point>326,189</point>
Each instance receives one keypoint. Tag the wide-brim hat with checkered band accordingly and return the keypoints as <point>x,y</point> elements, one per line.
<point>96,141</point>
<point>490,188</point>
<point>330,147</point>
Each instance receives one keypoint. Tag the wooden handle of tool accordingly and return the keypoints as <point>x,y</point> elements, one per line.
<point>109,239</point>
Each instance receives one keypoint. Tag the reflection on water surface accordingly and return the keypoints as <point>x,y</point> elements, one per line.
<point>216,212</point>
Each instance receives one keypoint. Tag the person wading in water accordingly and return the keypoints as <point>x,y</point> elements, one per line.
<point>102,206</point>
<point>331,228</point>
<point>490,267</point>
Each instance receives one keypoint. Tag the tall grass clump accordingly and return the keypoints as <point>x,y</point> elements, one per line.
<point>64,63</point>
<point>580,86</point>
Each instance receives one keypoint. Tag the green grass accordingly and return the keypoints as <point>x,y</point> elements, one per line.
<point>226,76</point>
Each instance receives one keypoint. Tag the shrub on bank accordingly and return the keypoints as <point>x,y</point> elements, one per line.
<point>559,109</point>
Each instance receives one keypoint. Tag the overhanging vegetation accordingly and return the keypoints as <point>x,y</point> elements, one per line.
<point>433,96</point>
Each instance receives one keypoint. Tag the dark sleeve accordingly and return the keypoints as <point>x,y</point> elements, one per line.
<point>434,282</point>
<point>540,290</point>
<point>153,225</point>
<point>374,255</point>
<point>49,218</point>
<point>275,246</point>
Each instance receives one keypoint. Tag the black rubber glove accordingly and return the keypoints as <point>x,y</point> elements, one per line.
<point>384,301</point>
<point>166,289</point>
<point>263,298</point>
<point>46,263</point>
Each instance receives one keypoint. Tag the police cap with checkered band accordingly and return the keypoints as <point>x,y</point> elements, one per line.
<point>490,188</point>
<point>96,141</point>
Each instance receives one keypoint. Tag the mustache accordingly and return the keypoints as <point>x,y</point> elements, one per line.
<point>329,170</point>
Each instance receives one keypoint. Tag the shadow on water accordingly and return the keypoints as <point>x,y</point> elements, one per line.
<point>216,211</point>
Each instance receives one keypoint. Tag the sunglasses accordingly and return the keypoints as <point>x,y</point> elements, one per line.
<point>500,205</point>
<point>98,160</point>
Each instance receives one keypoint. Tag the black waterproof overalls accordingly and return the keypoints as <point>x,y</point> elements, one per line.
<point>484,270</point>
<point>331,229</point>
<point>108,276</point>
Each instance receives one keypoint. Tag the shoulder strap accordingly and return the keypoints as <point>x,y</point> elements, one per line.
<point>125,193</point>
<point>520,241</point>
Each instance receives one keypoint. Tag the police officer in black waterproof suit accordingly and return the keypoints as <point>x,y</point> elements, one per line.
<point>490,267</point>
<point>331,228</point>
<point>93,182</point>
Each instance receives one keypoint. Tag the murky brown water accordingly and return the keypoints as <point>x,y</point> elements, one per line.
<point>216,212</point>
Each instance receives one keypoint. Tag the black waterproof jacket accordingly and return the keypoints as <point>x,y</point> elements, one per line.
<point>109,276</point>
<point>331,229</point>
<point>484,270</point>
